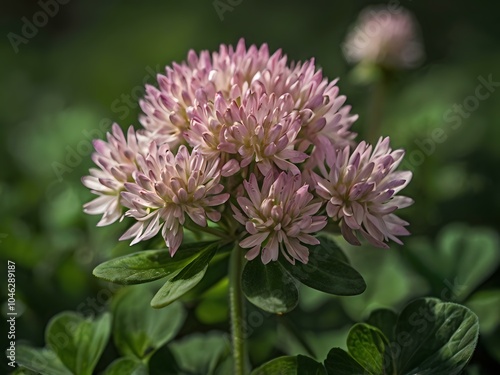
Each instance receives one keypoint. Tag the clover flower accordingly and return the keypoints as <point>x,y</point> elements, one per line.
<point>197,103</point>
<point>168,187</point>
<point>386,37</point>
<point>245,124</point>
<point>325,121</point>
<point>166,109</point>
<point>262,130</point>
<point>279,218</point>
<point>360,189</point>
<point>116,161</point>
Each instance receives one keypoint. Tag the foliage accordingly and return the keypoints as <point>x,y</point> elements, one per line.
<point>69,82</point>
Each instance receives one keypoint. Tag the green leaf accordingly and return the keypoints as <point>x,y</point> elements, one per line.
<point>385,320</point>
<point>149,265</point>
<point>486,305</point>
<point>390,282</point>
<point>435,337</point>
<point>40,360</point>
<point>215,273</point>
<point>213,307</point>
<point>138,329</point>
<point>430,337</point>
<point>78,342</point>
<point>462,258</point>
<point>126,366</point>
<point>370,348</point>
<point>185,280</point>
<point>339,362</point>
<point>328,270</point>
<point>23,371</point>
<point>308,366</point>
<point>163,362</point>
<point>269,287</point>
<point>200,354</point>
<point>299,365</point>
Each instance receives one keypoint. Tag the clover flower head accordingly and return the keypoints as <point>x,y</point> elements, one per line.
<point>168,187</point>
<point>360,189</point>
<point>275,136</point>
<point>224,100</point>
<point>386,37</point>
<point>279,218</point>
<point>196,81</point>
<point>116,161</point>
<point>263,130</point>
<point>324,119</point>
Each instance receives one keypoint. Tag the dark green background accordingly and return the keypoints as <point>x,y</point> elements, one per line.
<point>77,73</point>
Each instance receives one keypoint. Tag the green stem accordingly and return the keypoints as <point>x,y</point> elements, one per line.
<point>376,109</point>
<point>237,312</point>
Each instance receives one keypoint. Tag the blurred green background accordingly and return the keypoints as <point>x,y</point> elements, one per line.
<point>86,68</point>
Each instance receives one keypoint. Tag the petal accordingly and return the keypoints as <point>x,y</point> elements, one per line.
<point>348,234</point>
<point>254,240</point>
<point>98,205</point>
<point>253,253</point>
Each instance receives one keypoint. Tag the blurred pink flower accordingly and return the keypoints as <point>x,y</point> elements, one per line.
<point>116,161</point>
<point>386,37</point>
<point>166,188</point>
<point>278,218</point>
<point>360,189</point>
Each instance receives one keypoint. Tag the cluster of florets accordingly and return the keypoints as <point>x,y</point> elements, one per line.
<point>240,138</point>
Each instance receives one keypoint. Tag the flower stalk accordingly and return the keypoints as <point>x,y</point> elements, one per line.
<point>377,107</point>
<point>237,312</point>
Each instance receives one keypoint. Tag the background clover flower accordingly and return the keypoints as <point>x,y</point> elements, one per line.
<point>116,160</point>
<point>386,37</point>
<point>168,187</point>
<point>279,217</point>
<point>360,189</point>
